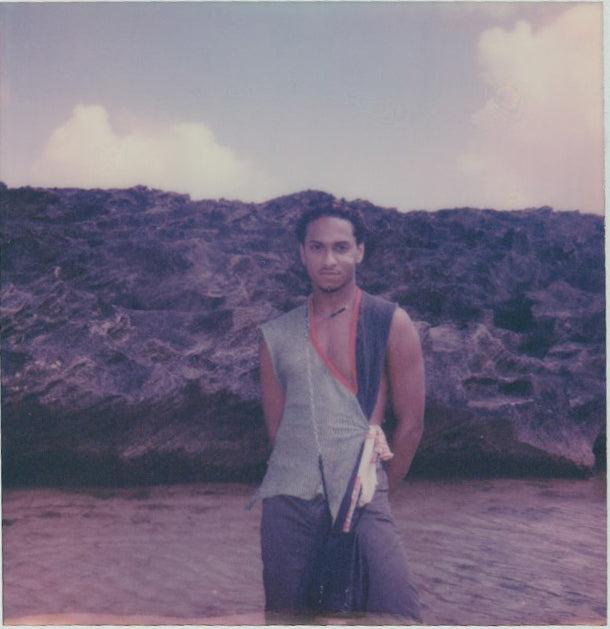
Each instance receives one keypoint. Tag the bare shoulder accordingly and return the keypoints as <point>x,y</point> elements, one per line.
<point>404,347</point>
<point>403,333</point>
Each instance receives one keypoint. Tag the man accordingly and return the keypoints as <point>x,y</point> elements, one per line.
<point>327,368</point>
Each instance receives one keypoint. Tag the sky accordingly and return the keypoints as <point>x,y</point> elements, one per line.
<point>411,105</point>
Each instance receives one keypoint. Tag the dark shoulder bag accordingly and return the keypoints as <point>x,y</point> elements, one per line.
<point>338,583</point>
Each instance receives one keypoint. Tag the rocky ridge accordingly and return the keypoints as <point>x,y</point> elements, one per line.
<point>129,342</point>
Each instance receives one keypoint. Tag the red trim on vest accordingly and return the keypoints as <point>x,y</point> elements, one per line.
<point>352,386</point>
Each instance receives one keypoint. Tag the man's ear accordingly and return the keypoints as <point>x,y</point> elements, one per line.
<point>360,253</point>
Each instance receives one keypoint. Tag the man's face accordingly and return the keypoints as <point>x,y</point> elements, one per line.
<point>330,253</point>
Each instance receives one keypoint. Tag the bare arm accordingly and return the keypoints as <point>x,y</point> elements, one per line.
<point>405,367</point>
<point>272,394</point>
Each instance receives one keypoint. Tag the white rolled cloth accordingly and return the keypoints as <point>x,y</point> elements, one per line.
<point>375,448</point>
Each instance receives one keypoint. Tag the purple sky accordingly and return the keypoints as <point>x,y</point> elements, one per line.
<point>414,105</point>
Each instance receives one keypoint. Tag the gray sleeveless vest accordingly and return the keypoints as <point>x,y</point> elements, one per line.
<point>342,415</point>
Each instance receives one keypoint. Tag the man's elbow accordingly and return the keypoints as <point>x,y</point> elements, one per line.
<point>415,430</point>
<point>420,432</point>
<point>410,431</point>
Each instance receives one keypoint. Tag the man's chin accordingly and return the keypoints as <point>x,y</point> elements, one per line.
<point>329,289</point>
<point>331,284</point>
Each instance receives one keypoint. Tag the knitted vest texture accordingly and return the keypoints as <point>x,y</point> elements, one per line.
<point>342,416</point>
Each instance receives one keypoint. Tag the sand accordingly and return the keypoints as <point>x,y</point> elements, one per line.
<point>482,552</point>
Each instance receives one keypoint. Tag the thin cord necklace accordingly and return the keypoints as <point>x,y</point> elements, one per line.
<point>343,308</point>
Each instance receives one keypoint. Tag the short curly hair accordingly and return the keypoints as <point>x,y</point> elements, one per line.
<point>338,209</point>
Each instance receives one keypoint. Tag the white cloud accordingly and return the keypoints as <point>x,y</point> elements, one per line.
<point>539,139</point>
<point>86,152</point>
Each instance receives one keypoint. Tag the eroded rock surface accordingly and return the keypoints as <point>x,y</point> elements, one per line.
<point>129,342</point>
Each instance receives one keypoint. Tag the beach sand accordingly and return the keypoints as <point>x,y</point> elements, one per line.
<point>482,552</point>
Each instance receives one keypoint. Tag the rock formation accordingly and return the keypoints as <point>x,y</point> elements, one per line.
<point>129,341</point>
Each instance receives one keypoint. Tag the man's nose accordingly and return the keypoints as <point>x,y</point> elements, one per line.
<point>329,258</point>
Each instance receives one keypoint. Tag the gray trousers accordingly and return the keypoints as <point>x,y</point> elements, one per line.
<point>292,532</point>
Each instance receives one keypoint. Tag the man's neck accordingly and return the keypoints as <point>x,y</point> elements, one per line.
<point>327,304</point>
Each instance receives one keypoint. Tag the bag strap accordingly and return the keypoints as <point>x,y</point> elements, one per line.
<point>313,409</point>
<point>312,404</point>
